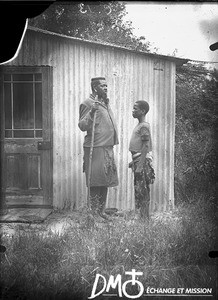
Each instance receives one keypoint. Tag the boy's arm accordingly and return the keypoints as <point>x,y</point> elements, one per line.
<point>145,137</point>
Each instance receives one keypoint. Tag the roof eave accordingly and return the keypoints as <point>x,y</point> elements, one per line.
<point>178,61</point>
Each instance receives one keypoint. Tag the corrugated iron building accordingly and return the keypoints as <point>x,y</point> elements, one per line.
<point>131,76</point>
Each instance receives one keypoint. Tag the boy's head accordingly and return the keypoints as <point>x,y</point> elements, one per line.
<point>140,108</point>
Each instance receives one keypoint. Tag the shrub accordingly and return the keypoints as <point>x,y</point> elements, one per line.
<point>196,139</point>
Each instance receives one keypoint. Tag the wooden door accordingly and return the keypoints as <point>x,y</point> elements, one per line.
<point>26,96</point>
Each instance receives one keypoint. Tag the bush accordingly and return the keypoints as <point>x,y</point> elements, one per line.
<point>196,139</point>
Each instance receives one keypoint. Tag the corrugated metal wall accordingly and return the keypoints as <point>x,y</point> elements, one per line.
<point>130,77</point>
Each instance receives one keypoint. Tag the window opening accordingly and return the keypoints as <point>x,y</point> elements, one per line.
<point>23,105</point>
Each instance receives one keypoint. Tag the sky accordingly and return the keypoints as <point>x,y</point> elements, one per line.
<point>188,27</point>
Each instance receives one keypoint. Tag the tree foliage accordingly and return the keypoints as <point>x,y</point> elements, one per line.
<point>196,140</point>
<point>97,21</point>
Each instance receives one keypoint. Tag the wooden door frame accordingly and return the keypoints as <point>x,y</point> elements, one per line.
<point>47,118</point>
<point>2,156</point>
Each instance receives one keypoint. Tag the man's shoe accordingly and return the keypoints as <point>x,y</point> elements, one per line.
<point>105,217</point>
<point>111,211</point>
<point>98,218</point>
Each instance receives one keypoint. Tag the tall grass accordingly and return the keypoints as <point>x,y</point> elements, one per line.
<point>171,251</point>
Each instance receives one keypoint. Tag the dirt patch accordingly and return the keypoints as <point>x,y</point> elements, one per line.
<point>57,222</point>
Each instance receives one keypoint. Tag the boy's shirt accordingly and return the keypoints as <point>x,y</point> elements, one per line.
<point>140,135</point>
<point>141,148</point>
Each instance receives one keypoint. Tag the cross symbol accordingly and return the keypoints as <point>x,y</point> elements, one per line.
<point>134,273</point>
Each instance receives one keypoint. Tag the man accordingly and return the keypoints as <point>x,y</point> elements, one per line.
<point>103,168</point>
<point>141,150</point>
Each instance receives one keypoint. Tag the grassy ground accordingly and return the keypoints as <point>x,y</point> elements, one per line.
<point>171,251</point>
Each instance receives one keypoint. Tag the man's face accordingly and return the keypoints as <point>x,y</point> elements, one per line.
<point>136,112</point>
<point>101,89</point>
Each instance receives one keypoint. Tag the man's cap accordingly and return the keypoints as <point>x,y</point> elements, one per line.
<point>97,78</point>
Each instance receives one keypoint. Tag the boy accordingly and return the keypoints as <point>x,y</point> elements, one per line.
<point>141,149</point>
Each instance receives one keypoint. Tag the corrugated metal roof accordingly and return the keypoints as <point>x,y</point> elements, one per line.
<point>177,60</point>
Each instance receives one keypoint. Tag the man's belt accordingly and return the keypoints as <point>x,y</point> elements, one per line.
<point>134,156</point>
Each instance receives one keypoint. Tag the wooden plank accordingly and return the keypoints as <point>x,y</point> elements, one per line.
<point>22,69</point>
<point>46,168</point>
<point>11,168</point>
<point>22,171</point>
<point>34,170</point>
<point>21,146</point>
<point>25,206</point>
<point>20,192</point>
<point>2,159</point>
<point>24,200</point>
<point>21,215</point>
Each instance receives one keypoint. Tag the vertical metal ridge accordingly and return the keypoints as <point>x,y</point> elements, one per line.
<point>168,133</point>
<point>173,118</point>
<point>121,125</point>
<point>68,127</point>
<point>127,108</point>
<point>66,133</point>
<point>74,128</point>
<point>151,119</point>
<point>59,140</point>
<point>56,130</point>
<point>160,145</point>
<point>165,160</point>
<point>77,100</point>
